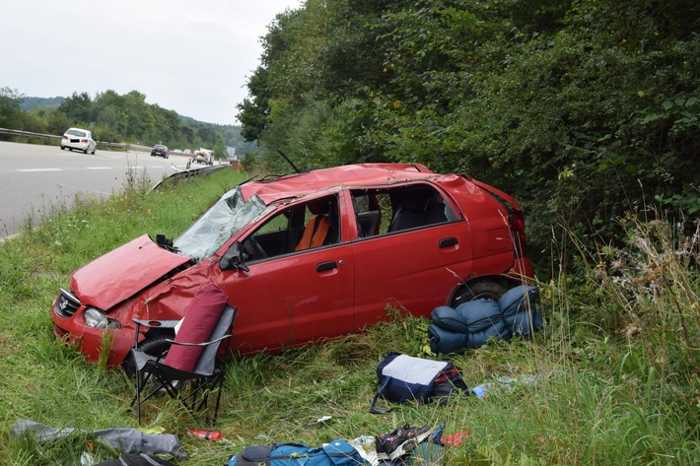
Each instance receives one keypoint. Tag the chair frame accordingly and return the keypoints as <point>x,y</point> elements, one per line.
<point>165,376</point>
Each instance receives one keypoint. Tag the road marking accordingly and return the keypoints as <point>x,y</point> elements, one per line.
<point>99,168</point>
<point>34,170</point>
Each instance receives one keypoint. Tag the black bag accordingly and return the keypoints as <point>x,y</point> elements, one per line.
<point>402,378</point>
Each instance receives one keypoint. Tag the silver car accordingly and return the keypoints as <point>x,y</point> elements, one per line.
<point>80,139</point>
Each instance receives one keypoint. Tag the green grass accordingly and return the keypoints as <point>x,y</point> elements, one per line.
<point>600,398</point>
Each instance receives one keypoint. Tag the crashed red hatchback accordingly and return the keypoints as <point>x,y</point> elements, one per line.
<point>306,257</point>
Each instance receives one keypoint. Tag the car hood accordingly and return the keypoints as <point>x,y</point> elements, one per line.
<point>123,272</point>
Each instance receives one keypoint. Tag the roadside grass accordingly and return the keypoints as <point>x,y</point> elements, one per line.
<point>616,374</point>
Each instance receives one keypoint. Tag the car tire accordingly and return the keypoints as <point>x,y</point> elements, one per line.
<point>85,151</point>
<point>155,346</point>
<point>63,148</point>
<point>486,288</point>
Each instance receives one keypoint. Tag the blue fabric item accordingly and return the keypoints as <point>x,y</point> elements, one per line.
<point>516,299</point>
<point>336,453</point>
<point>448,319</point>
<point>479,314</point>
<point>518,305</point>
<point>444,342</point>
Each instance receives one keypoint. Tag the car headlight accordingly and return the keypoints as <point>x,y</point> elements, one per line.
<point>96,319</point>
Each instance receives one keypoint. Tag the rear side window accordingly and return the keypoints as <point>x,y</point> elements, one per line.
<point>381,211</point>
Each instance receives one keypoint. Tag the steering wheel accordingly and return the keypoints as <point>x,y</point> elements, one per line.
<point>257,251</point>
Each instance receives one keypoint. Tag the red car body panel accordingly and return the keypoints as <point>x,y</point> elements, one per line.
<point>119,274</point>
<point>285,301</point>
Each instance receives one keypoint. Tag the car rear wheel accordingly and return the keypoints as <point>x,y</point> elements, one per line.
<point>487,288</point>
<point>156,346</point>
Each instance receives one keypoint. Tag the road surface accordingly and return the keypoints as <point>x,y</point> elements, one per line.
<point>35,177</point>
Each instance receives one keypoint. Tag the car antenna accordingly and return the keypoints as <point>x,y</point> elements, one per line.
<point>294,167</point>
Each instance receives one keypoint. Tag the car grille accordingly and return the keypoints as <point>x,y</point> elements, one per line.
<point>66,304</point>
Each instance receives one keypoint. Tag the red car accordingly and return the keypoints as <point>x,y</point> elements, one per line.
<point>306,257</point>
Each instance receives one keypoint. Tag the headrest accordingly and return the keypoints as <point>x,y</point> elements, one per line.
<point>320,206</point>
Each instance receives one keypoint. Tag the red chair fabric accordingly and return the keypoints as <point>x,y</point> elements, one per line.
<point>200,319</point>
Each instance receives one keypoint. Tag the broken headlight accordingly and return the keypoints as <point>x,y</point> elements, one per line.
<point>96,319</point>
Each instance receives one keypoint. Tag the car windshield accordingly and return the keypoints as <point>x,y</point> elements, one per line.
<point>223,219</point>
<point>75,132</point>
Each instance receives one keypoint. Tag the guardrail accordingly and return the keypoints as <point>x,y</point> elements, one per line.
<point>184,174</point>
<point>124,146</point>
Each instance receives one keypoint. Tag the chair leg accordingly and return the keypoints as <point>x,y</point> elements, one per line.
<point>138,396</point>
<point>218,398</point>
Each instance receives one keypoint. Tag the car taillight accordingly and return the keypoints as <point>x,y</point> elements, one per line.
<point>517,225</point>
<point>83,140</point>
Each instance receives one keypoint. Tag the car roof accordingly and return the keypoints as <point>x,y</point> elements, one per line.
<point>361,175</point>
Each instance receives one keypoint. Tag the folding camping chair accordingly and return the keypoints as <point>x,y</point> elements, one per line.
<point>192,388</point>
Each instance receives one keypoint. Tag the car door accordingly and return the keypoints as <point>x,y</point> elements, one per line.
<point>409,267</point>
<point>291,296</point>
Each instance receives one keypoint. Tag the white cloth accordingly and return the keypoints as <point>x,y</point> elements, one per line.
<point>413,370</point>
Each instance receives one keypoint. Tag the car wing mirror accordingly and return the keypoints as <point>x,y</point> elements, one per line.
<point>232,259</point>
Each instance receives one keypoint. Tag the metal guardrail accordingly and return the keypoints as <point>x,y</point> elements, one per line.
<point>125,146</point>
<point>184,174</point>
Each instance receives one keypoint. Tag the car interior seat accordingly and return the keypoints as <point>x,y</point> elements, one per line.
<point>321,227</point>
<point>409,213</point>
<point>368,223</point>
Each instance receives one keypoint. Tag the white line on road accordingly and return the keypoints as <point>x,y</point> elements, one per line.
<point>32,170</point>
<point>99,168</point>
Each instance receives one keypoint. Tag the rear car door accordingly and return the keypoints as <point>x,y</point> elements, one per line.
<point>293,294</point>
<point>408,260</point>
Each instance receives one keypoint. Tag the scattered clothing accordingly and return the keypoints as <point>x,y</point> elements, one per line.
<point>401,378</point>
<point>136,460</point>
<point>126,440</point>
<point>336,453</point>
<point>400,442</point>
<point>474,322</point>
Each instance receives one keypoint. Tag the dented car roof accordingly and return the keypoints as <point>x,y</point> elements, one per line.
<point>359,175</point>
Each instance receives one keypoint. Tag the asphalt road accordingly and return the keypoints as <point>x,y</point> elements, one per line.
<point>35,177</point>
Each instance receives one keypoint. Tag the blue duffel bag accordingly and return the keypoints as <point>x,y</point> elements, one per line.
<point>336,453</point>
<point>444,341</point>
<point>448,319</point>
<point>519,306</point>
<point>484,320</point>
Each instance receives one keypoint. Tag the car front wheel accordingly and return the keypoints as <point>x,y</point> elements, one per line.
<point>157,346</point>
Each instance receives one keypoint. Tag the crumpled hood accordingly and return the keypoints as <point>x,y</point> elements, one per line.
<point>120,274</point>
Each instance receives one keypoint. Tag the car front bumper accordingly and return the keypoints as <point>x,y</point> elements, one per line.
<point>91,341</point>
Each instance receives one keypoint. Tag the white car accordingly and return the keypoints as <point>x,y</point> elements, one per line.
<point>81,139</point>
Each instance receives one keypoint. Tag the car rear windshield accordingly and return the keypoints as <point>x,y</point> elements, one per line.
<point>75,132</point>
<point>223,219</point>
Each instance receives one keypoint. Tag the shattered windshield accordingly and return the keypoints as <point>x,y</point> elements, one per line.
<point>226,217</point>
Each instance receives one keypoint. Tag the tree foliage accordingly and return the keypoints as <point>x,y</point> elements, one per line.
<point>580,108</point>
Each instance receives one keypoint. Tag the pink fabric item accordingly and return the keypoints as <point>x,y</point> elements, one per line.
<point>201,317</point>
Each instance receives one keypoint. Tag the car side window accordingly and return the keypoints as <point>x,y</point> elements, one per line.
<point>380,211</point>
<point>303,226</point>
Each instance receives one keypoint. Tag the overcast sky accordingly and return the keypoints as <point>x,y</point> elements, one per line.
<point>191,56</point>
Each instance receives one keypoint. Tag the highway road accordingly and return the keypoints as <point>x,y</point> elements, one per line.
<point>34,177</point>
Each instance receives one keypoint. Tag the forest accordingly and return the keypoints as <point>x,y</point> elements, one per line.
<point>582,109</point>
<point>115,117</point>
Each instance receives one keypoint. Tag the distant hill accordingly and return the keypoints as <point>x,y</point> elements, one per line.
<point>30,103</point>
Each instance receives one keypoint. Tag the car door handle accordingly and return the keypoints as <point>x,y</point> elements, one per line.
<point>326,266</point>
<point>448,242</point>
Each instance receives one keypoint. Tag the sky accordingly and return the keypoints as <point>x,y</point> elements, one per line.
<point>189,56</point>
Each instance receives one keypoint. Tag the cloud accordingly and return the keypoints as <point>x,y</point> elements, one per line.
<point>192,57</point>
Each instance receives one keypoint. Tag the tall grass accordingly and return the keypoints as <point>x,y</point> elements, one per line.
<point>615,367</point>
